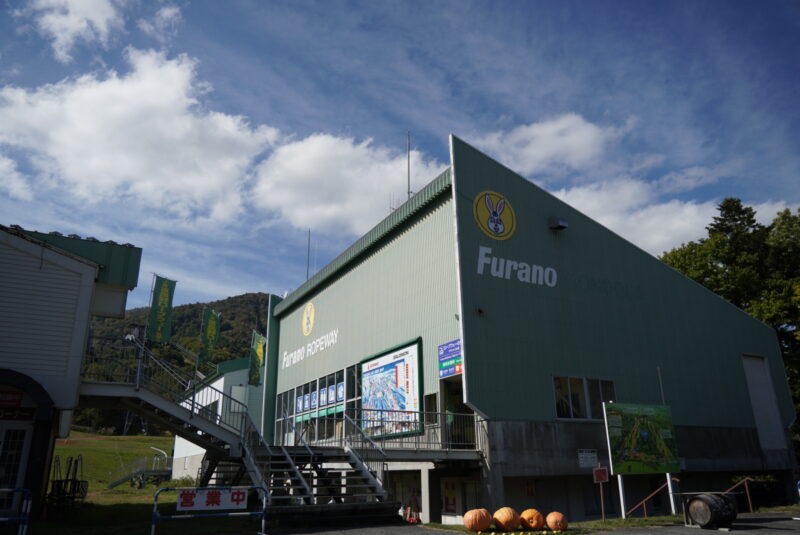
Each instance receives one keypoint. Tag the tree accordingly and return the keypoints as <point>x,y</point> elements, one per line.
<point>756,268</point>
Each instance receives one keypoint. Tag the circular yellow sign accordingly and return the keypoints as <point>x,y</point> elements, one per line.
<point>308,319</point>
<point>494,215</point>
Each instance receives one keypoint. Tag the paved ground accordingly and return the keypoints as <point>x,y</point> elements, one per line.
<point>745,524</point>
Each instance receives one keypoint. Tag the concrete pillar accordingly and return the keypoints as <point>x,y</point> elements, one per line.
<point>431,499</point>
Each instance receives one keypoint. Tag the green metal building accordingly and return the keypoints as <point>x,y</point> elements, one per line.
<point>503,318</point>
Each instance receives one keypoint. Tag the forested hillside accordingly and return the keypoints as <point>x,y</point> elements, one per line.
<point>239,316</point>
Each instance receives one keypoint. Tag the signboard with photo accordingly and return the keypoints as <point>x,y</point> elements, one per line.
<point>640,439</point>
<point>391,391</point>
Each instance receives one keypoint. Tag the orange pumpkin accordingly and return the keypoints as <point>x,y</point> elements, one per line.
<point>531,519</point>
<point>556,521</point>
<point>506,519</point>
<point>477,520</point>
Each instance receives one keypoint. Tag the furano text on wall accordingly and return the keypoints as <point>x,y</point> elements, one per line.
<point>504,268</point>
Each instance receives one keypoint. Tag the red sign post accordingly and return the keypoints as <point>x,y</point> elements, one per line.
<point>600,475</point>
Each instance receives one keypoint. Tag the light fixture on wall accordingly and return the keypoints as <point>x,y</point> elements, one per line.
<point>557,223</point>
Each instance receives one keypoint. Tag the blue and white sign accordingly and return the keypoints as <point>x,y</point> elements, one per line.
<point>332,393</point>
<point>451,361</point>
<point>340,392</point>
<point>299,404</point>
<point>306,402</point>
<point>323,397</point>
<point>314,399</point>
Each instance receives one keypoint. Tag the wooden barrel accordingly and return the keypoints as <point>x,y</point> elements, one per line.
<point>712,510</point>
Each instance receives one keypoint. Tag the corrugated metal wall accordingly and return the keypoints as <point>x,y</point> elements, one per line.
<point>403,290</point>
<point>615,313</point>
<point>44,313</point>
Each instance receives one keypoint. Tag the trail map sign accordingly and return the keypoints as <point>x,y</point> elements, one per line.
<point>640,439</point>
<point>390,391</point>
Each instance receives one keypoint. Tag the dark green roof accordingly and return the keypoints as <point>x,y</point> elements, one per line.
<point>229,366</point>
<point>118,264</point>
<point>434,189</point>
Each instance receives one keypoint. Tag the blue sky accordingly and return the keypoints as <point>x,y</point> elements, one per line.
<point>215,134</point>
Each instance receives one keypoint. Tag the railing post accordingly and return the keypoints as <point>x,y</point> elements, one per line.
<point>747,492</point>
<point>139,361</point>
<point>194,393</point>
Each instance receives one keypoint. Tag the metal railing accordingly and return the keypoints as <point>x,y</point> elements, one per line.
<point>744,481</point>
<point>391,430</point>
<point>643,503</point>
<point>128,361</point>
<point>139,467</point>
<point>370,453</point>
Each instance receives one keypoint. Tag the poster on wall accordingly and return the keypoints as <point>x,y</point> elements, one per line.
<point>640,439</point>
<point>323,396</point>
<point>391,392</point>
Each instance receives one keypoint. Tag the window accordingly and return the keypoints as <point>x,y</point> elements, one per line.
<point>431,408</point>
<point>581,398</point>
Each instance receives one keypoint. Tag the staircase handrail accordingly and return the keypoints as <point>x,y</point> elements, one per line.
<point>643,504</point>
<point>196,358</point>
<point>364,436</point>
<point>744,481</point>
<point>368,451</point>
<point>138,466</point>
<point>177,373</point>
<point>299,436</point>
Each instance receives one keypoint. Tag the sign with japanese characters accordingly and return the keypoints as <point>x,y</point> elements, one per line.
<point>212,499</point>
<point>450,359</point>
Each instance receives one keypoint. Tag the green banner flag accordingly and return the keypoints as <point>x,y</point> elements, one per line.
<point>159,325</point>
<point>209,334</point>
<point>257,352</point>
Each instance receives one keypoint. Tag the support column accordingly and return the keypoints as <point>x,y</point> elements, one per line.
<point>431,499</point>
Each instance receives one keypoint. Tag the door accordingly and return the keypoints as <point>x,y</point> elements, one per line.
<point>764,403</point>
<point>14,447</point>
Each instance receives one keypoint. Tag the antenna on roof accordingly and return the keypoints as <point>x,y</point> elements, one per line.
<point>308,253</point>
<point>408,161</point>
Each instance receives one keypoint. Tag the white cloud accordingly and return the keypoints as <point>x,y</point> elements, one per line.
<point>693,177</point>
<point>142,137</point>
<point>65,22</point>
<point>164,24</point>
<point>12,182</point>
<point>336,185</point>
<point>630,208</point>
<point>564,142</point>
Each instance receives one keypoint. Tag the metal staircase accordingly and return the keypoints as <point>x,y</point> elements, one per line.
<point>124,373</point>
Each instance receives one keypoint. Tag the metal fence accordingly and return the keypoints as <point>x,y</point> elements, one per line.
<point>142,466</point>
<point>128,361</point>
<point>392,430</point>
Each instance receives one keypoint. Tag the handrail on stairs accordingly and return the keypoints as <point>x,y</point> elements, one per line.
<point>744,482</point>
<point>299,436</point>
<point>363,435</point>
<point>643,503</point>
<point>366,449</point>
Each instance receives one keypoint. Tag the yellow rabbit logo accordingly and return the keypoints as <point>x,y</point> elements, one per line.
<point>494,215</point>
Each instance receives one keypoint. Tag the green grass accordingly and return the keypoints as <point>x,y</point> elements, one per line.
<point>124,510</point>
<point>102,454</point>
